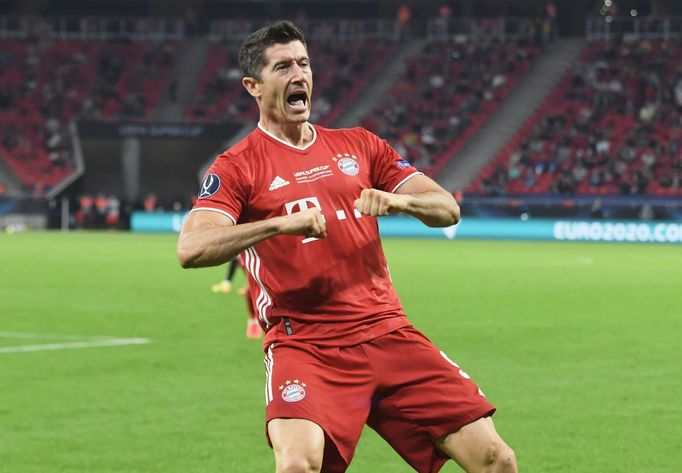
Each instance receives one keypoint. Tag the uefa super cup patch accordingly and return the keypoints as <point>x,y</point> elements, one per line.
<point>209,186</point>
<point>293,391</point>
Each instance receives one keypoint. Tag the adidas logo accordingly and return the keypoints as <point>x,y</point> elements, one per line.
<point>277,183</point>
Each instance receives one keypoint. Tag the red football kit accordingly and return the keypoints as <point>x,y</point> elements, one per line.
<point>337,340</point>
<point>332,291</point>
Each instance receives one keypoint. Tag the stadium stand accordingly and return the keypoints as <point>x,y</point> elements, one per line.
<point>447,92</point>
<point>46,83</point>
<point>340,74</point>
<point>612,126</point>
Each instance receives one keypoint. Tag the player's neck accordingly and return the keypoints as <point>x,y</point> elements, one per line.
<point>294,134</point>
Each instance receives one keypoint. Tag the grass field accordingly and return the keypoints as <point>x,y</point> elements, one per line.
<point>578,345</point>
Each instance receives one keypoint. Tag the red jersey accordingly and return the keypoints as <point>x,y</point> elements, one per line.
<point>334,291</point>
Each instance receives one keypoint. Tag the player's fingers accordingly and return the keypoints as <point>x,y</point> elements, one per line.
<point>311,230</point>
<point>375,204</point>
<point>315,225</point>
<point>365,201</point>
<point>321,226</point>
<point>363,204</point>
<point>382,204</point>
<point>357,203</point>
<point>383,207</point>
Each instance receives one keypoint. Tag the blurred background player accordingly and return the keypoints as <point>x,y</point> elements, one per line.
<point>253,330</point>
<point>225,285</point>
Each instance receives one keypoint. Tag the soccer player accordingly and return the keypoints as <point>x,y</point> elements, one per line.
<point>253,329</point>
<point>300,203</point>
<point>225,285</point>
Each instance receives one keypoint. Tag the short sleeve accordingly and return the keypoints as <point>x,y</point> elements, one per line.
<point>223,188</point>
<point>389,169</point>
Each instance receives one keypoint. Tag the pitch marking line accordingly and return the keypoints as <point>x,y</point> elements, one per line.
<point>50,336</point>
<point>82,342</point>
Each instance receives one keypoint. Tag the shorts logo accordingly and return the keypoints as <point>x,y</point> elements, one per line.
<point>293,391</point>
<point>209,186</point>
<point>348,165</point>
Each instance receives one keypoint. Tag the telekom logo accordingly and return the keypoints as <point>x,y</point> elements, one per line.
<point>310,202</point>
<point>301,205</point>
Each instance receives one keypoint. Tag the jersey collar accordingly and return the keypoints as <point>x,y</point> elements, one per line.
<point>260,127</point>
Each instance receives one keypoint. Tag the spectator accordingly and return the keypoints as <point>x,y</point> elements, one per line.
<point>150,203</point>
<point>597,209</point>
<point>113,211</point>
<point>646,212</point>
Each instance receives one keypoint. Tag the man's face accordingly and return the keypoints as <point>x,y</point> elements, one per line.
<point>286,84</point>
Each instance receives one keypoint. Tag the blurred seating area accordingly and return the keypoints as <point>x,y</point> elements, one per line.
<point>339,72</point>
<point>46,83</point>
<point>612,126</point>
<point>446,94</point>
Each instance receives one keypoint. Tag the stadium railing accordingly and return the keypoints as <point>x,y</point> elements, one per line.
<point>23,27</point>
<point>608,28</point>
<point>319,30</point>
<point>585,207</point>
<point>488,28</point>
<point>20,214</point>
<point>79,168</point>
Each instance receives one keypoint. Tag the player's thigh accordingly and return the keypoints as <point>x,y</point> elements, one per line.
<point>330,387</point>
<point>477,445</point>
<point>296,442</point>
<point>425,396</point>
<point>423,386</point>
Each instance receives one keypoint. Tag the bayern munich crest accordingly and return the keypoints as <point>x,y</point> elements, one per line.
<point>348,165</point>
<point>293,391</point>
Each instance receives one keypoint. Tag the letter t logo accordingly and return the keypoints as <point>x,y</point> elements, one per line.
<point>301,205</point>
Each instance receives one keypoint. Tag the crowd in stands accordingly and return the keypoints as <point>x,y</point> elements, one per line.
<point>98,211</point>
<point>108,211</point>
<point>46,83</point>
<point>339,74</point>
<point>447,92</point>
<point>612,126</point>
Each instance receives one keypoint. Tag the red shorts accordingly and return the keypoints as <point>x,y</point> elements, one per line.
<point>399,384</point>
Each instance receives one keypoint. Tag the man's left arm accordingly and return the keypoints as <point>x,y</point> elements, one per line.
<point>419,196</point>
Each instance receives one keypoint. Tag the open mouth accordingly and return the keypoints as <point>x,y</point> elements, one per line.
<point>298,100</point>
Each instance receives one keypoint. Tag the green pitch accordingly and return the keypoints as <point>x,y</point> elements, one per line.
<point>578,345</point>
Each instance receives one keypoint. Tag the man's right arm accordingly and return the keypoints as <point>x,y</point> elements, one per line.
<point>210,238</point>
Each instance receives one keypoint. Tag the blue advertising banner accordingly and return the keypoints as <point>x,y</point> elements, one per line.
<point>482,228</point>
<point>157,221</point>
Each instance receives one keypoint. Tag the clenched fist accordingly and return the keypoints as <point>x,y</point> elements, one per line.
<point>375,203</point>
<point>308,223</point>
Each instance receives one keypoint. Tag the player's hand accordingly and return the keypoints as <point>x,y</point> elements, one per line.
<point>375,203</point>
<point>308,223</point>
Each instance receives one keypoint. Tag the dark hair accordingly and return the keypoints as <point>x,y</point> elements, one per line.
<point>252,51</point>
